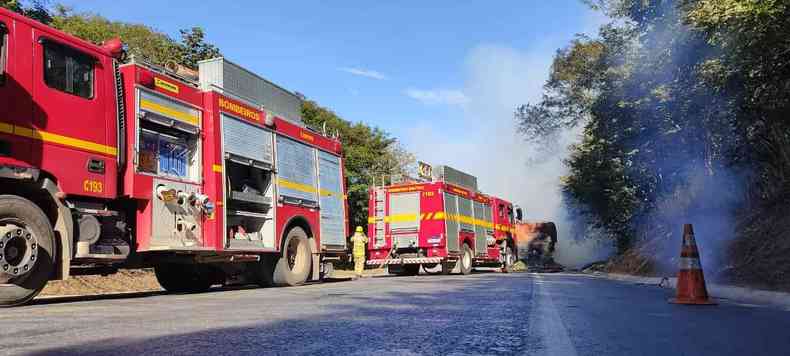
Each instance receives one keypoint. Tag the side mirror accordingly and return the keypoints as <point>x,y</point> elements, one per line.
<point>519,214</point>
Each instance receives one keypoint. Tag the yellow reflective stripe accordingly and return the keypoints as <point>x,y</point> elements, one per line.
<point>329,193</point>
<point>401,218</point>
<point>296,186</point>
<point>6,128</point>
<point>440,215</point>
<point>170,112</point>
<point>55,138</point>
<point>309,189</point>
<point>217,168</point>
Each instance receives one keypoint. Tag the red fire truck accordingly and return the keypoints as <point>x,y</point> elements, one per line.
<point>443,224</point>
<point>207,178</point>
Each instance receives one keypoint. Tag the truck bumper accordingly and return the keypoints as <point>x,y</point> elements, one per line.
<point>406,261</point>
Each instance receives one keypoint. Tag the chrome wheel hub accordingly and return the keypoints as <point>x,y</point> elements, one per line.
<point>18,250</point>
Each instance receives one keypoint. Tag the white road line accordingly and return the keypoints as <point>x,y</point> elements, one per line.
<point>547,325</point>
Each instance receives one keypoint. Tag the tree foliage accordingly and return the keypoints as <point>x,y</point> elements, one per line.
<point>36,9</point>
<point>142,42</point>
<point>669,91</point>
<point>194,47</point>
<point>369,155</point>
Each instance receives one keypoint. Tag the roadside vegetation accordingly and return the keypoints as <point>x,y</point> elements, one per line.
<point>683,108</point>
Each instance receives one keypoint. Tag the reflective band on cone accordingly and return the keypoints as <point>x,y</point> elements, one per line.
<point>691,281</point>
<point>690,264</point>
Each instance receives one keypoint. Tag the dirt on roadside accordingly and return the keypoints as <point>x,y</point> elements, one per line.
<point>142,280</point>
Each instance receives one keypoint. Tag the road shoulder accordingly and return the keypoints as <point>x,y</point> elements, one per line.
<point>717,291</point>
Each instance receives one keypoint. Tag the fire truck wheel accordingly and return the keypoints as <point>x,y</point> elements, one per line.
<point>466,260</point>
<point>443,268</point>
<point>183,278</point>
<point>263,271</point>
<point>27,250</point>
<point>410,270</point>
<point>293,267</point>
<point>432,268</point>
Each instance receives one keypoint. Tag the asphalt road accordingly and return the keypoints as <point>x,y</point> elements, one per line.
<point>486,313</point>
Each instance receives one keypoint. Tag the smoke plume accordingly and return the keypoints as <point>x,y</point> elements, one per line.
<point>485,143</point>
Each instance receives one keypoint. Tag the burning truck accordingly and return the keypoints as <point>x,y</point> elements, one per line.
<point>536,244</point>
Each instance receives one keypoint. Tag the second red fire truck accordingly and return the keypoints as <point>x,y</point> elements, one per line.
<point>207,178</point>
<point>442,224</point>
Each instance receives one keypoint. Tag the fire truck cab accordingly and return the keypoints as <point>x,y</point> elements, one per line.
<point>443,225</point>
<point>207,176</point>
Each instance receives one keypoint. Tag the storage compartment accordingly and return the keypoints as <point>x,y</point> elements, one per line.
<point>249,196</point>
<point>168,137</point>
<point>168,152</point>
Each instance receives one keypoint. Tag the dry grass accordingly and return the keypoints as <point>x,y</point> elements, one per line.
<point>761,255</point>
<point>631,262</point>
<point>123,281</point>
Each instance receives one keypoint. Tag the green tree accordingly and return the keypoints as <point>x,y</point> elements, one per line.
<point>369,154</point>
<point>195,48</point>
<point>37,9</point>
<point>671,94</point>
<point>142,42</point>
<point>649,125</point>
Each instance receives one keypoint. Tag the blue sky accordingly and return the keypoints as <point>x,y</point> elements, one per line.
<point>441,76</point>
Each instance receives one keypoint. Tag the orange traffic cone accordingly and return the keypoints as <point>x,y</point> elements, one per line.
<point>691,281</point>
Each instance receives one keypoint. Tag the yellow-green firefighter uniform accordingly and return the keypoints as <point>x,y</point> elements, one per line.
<point>359,240</point>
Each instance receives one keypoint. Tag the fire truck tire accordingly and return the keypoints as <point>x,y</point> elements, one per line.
<point>466,260</point>
<point>264,271</point>
<point>443,268</point>
<point>295,263</point>
<point>183,278</point>
<point>33,249</point>
<point>410,270</point>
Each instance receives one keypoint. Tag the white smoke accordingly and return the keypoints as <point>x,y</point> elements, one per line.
<point>485,143</point>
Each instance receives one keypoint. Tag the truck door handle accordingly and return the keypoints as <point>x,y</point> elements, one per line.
<point>96,166</point>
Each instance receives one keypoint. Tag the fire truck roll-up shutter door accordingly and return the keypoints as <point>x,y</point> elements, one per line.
<point>244,142</point>
<point>480,230</point>
<point>296,170</point>
<point>167,112</point>
<point>465,213</point>
<point>451,211</point>
<point>489,220</point>
<point>331,200</point>
<point>404,213</point>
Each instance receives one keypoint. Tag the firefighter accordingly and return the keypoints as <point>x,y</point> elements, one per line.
<point>359,240</point>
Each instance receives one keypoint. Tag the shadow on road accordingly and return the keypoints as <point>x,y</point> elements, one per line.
<point>437,319</point>
<point>47,300</point>
<point>84,298</point>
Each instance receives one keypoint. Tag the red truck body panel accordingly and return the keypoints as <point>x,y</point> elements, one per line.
<point>433,239</point>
